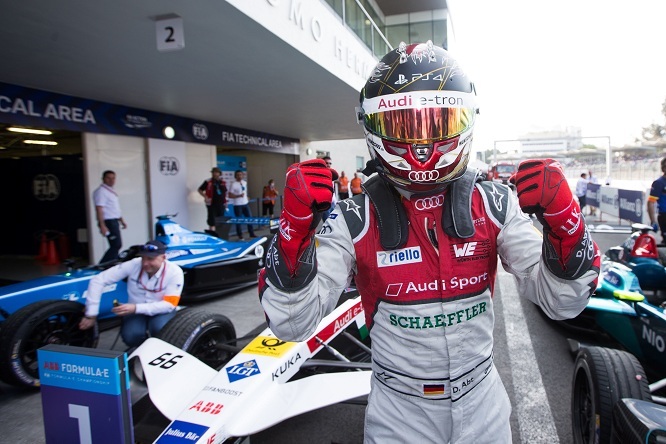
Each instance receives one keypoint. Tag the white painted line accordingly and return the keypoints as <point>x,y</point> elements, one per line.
<point>532,409</point>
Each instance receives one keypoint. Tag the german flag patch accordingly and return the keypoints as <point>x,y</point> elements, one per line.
<point>433,389</point>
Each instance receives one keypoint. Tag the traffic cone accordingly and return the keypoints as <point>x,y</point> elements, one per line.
<point>63,246</point>
<point>52,254</point>
<point>43,248</point>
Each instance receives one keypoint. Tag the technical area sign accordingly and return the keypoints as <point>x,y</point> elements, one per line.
<point>32,107</point>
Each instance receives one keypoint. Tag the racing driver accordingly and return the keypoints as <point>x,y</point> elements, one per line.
<point>421,245</point>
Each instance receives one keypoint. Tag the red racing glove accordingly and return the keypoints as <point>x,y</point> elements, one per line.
<point>308,192</point>
<point>543,190</point>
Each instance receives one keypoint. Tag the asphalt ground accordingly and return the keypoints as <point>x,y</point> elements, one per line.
<point>541,371</point>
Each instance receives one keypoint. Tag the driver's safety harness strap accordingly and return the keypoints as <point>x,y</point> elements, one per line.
<point>392,219</point>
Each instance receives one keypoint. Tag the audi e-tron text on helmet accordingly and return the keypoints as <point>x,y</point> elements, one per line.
<point>418,109</point>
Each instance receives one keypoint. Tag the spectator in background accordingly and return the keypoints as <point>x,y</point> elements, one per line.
<point>343,186</point>
<point>214,192</point>
<point>592,179</point>
<point>356,185</point>
<point>581,190</point>
<point>269,195</point>
<point>657,204</point>
<point>239,199</point>
<point>109,218</point>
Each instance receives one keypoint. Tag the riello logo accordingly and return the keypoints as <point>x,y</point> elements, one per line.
<point>404,256</point>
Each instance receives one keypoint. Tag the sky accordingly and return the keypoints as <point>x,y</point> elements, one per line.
<point>545,65</point>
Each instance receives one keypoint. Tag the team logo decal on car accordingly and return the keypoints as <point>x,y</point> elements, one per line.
<point>243,370</point>
<point>182,430</point>
<point>268,346</point>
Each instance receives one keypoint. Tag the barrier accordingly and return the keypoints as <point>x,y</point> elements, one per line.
<point>623,204</point>
<point>85,395</point>
<point>223,224</point>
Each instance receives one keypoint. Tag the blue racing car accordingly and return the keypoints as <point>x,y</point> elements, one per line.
<point>47,310</point>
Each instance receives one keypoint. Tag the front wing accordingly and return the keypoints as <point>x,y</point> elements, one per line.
<point>253,391</point>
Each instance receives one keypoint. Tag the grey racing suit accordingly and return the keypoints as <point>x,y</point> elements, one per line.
<point>428,306</point>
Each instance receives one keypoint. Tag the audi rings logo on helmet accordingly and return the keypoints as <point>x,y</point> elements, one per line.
<point>429,203</point>
<point>423,176</point>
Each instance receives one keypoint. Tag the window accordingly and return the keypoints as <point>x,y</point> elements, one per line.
<point>417,32</point>
<point>360,163</point>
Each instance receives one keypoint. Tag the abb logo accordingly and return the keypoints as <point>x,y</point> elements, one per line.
<point>467,249</point>
<point>210,407</point>
<point>51,366</point>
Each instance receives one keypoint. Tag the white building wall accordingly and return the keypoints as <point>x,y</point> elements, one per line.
<point>314,30</point>
<point>200,160</point>
<point>343,153</point>
<point>126,156</point>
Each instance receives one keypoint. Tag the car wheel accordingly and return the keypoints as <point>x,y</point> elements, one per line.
<point>210,337</point>
<point>603,376</point>
<point>34,326</point>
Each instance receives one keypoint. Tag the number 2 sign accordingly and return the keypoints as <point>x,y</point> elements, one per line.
<point>170,35</point>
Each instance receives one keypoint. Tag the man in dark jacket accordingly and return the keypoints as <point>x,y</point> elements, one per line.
<point>214,192</point>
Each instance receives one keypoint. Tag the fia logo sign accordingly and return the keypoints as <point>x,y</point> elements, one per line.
<point>200,131</point>
<point>45,187</point>
<point>169,166</point>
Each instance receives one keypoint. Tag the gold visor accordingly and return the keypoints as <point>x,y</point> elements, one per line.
<point>424,124</point>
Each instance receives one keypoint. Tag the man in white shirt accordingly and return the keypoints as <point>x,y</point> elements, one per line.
<point>109,218</point>
<point>154,286</point>
<point>238,197</point>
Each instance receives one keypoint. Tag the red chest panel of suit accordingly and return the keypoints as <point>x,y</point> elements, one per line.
<point>431,267</point>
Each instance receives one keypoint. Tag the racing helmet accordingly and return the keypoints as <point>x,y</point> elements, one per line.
<point>418,110</point>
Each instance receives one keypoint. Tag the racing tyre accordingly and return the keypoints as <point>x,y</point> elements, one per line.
<point>603,376</point>
<point>210,337</point>
<point>34,326</point>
